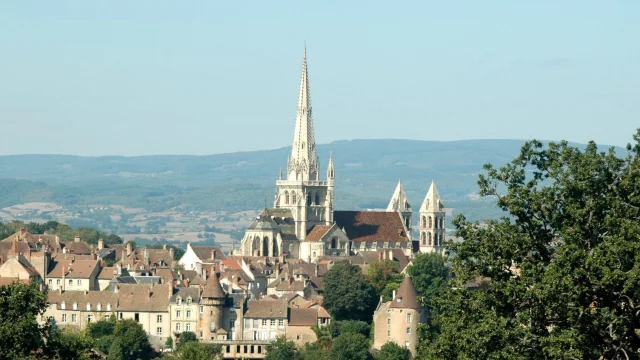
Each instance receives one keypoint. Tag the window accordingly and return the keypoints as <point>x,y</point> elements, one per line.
<point>286,197</point>
<point>188,301</point>
<point>179,301</point>
<point>99,307</point>
<point>64,318</point>
<point>70,282</point>
<point>201,309</point>
<point>187,327</point>
<point>159,331</point>
<point>108,307</point>
<point>273,323</point>
<point>406,344</point>
<point>159,319</point>
<point>388,333</point>
<point>293,197</point>
<point>408,318</point>
<point>188,314</point>
<point>247,323</point>
<point>136,316</point>
<point>88,307</point>
<point>73,318</point>
<point>264,335</point>
<point>50,282</point>
<point>430,222</point>
<point>177,327</point>
<point>63,306</point>
<point>333,243</point>
<point>75,306</point>
<point>429,239</point>
<point>256,324</point>
<point>408,330</point>
<point>89,318</point>
<point>178,313</point>
<point>280,322</point>
<point>79,282</point>
<point>264,323</point>
<point>232,323</point>
<point>58,282</point>
<point>255,335</point>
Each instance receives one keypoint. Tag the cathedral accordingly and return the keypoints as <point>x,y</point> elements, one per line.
<point>303,224</point>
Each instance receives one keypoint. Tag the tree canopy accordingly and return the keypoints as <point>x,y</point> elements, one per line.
<point>348,294</point>
<point>350,346</point>
<point>194,350</point>
<point>430,275</point>
<point>393,351</point>
<point>281,349</point>
<point>563,265</point>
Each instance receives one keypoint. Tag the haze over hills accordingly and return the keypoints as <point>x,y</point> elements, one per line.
<point>366,174</point>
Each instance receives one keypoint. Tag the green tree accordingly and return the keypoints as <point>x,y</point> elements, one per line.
<point>350,346</point>
<point>564,265</point>
<point>281,349</point>
<point>186,337</point>
<point>393,351</point>
<point>380,272</point>
<point>130,340</point>
<point>169,342</point>
<point>350,326</point>
<point>20,333</point>
<point>194,350</point>
<point>348,295</point>
<point>430,275</point>
<point>69,344</point>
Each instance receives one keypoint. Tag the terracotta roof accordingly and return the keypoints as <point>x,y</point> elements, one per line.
<point>317,232</point>
<point>28,267</point>
<point>371,226</point>
<point>397,255</point>
<point>79,248</point>
<point>82,299</point>
<point>204,253</point>
<point>303,317</point>
<point>32,239</point>
<point>107,273</point>
<point>167,275</point>
<point>291,285</point>
<point>138,297</point>
<point>406,297</point>
<point>6,281</point>
<point>212,289</point>
<point>323,313</point>
<point>268,309</point>
<point>7,244</point>
<point>78,269</point>
<point>231,264</point>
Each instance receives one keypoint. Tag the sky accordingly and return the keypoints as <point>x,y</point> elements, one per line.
<point>204,77</point>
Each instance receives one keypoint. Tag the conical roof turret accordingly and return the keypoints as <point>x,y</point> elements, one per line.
<point>407,296</point>
<point>212,288</point>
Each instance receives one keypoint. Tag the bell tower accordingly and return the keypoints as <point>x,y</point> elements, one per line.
<point>432,222</point>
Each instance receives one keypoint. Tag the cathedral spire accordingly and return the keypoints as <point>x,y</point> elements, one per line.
<point>303,164</point>
<point>399,200</point>
<point>432,202</point>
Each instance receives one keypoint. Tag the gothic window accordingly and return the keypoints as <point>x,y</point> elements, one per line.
<point>333,243</point>
<point>286,197</point>
<point>276,252</point>
<point>430,222</point>
<point>429,239</point>
<point>424,221</point>
<point>423,238</point>
<point>441,223</point>
<point>265,246</point>
<point>308,198</point>
<point>293,197</point>
<point>317,199</point>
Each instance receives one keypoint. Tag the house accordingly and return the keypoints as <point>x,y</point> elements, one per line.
<point>195,256</point>
<point>72,274</point>
<point>184,310</point>
<point>265,319</point>
<point>148,305</point>
<point>79,308</point>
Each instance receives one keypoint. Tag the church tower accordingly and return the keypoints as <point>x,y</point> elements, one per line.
<point>400,203</point>
<point>432,222</point>
<point>309,199</point>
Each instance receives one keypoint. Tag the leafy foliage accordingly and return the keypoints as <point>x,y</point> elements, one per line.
<point>64,231</point>
<point>338,328</point>
<point>194,350</point>
<point>393,351</point>
<point>430,276</point>
<point>564,266</point>
<point>187,337</point>
<point>350,346</point>
<point>281,349</point>
<point>348,295</point>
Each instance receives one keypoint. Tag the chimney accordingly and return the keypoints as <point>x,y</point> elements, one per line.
<point>95,256</point>
<point>316,270</point>
<point>393,296</point>
<point>129,248</point>
<point>100,244</point>
<point>164,246</point>
<point>204,275</point>
<point>171,253</point>
<point>119,269</point>
<point>76,238</point>
<point>146,256</point>
<point>64,272</point>
<point>73,258</point>
<point>213,254</point>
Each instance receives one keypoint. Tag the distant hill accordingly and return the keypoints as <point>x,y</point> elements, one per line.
<point>366,174</point>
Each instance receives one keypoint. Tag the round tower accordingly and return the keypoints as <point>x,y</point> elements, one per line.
<point>212,299</point>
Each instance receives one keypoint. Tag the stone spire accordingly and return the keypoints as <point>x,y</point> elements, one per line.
<point>331,170</point>
<point>399,201</point>
<point>303,164</point>
<point>432,202</point>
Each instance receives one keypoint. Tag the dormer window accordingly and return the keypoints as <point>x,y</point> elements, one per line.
<point>88,307</point>
<point>179,301</point>
<point>108,307</point>
<point>99,307</point>
<point>188,301</point>
<point>63,305</point>
<point>75,306</point>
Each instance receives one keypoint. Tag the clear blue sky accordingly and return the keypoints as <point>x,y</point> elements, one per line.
<point>189,77</point>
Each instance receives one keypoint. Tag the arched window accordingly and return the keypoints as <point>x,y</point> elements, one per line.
<point>276,251</point>
<point>424,221</point>
<point>423,238</point>
<point>308,198</point>
<point>430,222</point>
<point>256,245</point>
<point>286,197</point>
<point>293,198</point>
<point>441,223</point>
<point>317,199</point>
<point>265,246</point>
<point>429,239</point>
<point>333,243</point>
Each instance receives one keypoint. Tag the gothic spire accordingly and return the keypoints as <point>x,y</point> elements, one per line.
<point>399,200</point>
<point>303,164</point>
<point>432,202</point>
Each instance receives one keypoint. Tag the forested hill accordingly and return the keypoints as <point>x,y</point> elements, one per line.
<point>366,174</point>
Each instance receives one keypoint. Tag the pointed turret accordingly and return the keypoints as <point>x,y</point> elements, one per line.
<point>399,200</point>
<point>407,296</point>
<point>331,170</point>
<point>213,289</point>
<point>303,164</point>
<point>432,201</point>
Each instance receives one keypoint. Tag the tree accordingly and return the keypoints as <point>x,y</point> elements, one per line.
<point>349,326</point>
<point>350,346</point>
<point>348,295</point>
<point>20,333</point>
<point>69,344</point>
<point>430,275</point>
<point>130,340</point>
<point>281,349</point>
<point>563,267</point>
<point>380,272</point>
<point>194,350</point>
<point>393,351</point>
<point>186,337</point>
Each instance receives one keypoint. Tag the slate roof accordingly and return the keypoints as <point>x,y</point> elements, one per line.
<point>371,226</point>
<point>303,317</point>
<point>318,232</point>
<point>266,309</point>
<point>406,297</point>
<point>184,293</point>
